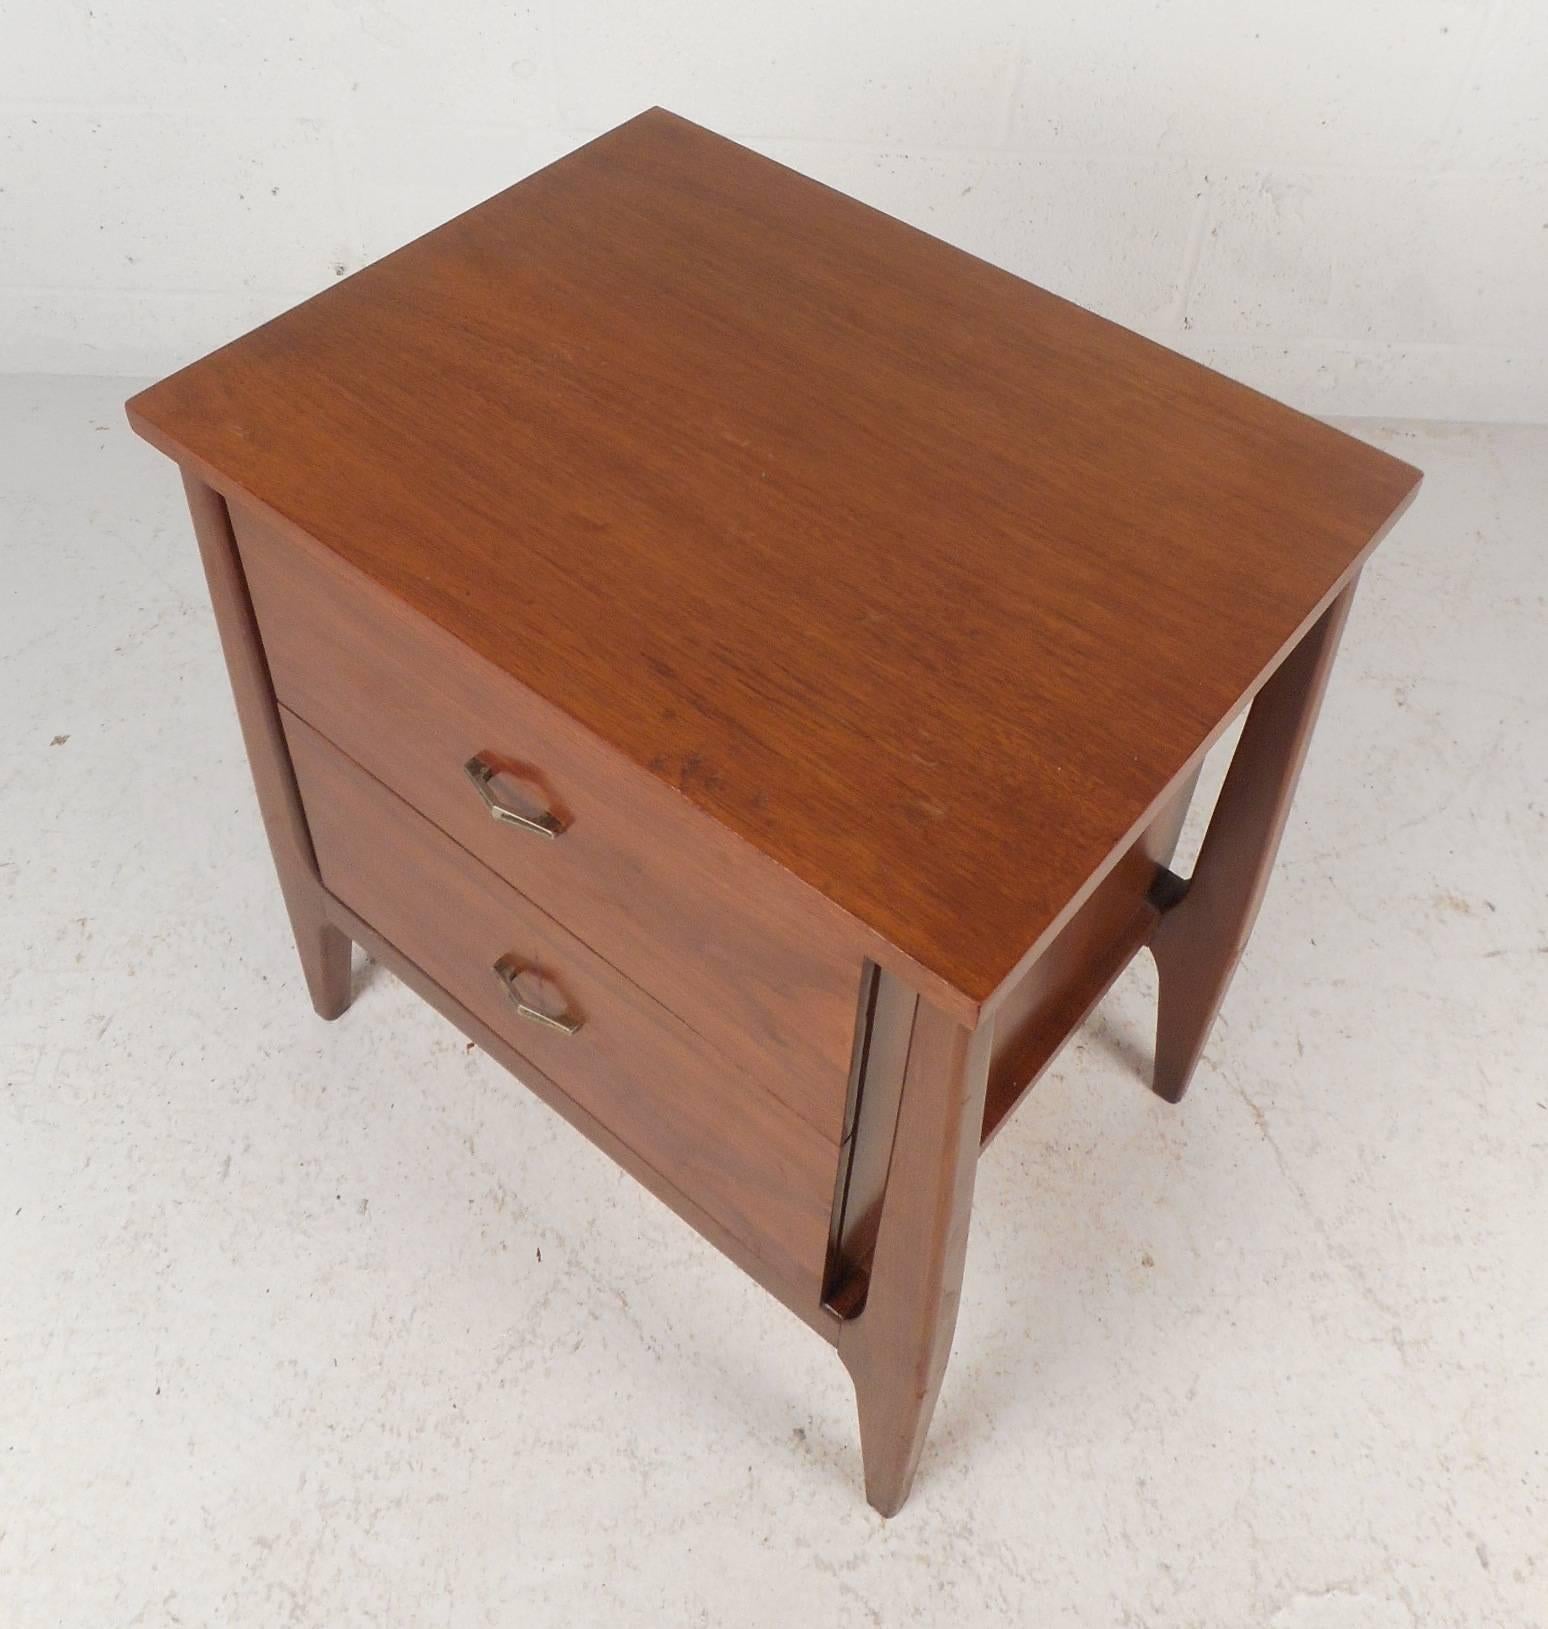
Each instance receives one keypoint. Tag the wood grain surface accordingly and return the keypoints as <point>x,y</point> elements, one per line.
<point>763,1174</point>
<point>323,950</point>
<point>674,901</point>
<point>797,1296</point>
<point>1051,1000</point>
<point>1202,935</point>
<point>895,1345</point>
<point>927,583</point>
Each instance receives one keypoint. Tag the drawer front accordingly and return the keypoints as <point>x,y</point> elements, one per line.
<point>713,1133</point>
<point>681,907</point>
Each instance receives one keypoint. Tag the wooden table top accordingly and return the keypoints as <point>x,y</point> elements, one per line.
<point>925,581</point>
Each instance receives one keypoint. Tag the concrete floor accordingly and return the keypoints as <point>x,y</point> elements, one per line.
<point>326,1325</point>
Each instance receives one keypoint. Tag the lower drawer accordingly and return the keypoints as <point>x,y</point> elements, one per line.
<point>764,1174</point>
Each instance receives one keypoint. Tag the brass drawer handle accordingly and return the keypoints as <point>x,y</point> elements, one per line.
<point>481,772</point>
<point>508,970</point>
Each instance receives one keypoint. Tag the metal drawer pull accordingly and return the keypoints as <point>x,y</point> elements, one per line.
<point>482,773</point>
<point>508,970</point>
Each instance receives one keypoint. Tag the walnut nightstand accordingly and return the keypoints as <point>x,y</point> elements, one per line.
<point>746,663</point>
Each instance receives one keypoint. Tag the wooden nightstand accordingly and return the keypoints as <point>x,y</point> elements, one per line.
<point>746,662</point>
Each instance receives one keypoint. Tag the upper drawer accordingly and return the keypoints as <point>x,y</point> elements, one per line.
<point>633,873</point>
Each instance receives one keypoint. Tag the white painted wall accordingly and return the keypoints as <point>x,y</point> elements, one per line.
<point>1344,202</point>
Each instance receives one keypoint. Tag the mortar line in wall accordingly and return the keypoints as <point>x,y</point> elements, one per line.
<point>1125,159</point>
<point>308,113</point>
<point>1013,100</point>
<point>1288,343</point>
<point>547,55</point>
<point>879,146</point>
<point>1148,158</point>
<point>1483,36</point>
<point>1193,252</point>
<point>222,291</point>
<point>339,130</point>
<point>1237,169</point>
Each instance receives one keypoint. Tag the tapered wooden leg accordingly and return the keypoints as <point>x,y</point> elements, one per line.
<point>325,963</point>
<point>324,950</point>
<point>1206,923</point>
<point>896,1347</point>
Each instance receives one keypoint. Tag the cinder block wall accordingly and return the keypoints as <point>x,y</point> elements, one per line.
<point>1343,202</point>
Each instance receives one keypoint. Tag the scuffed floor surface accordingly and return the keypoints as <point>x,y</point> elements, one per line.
<point>328,1325</point>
